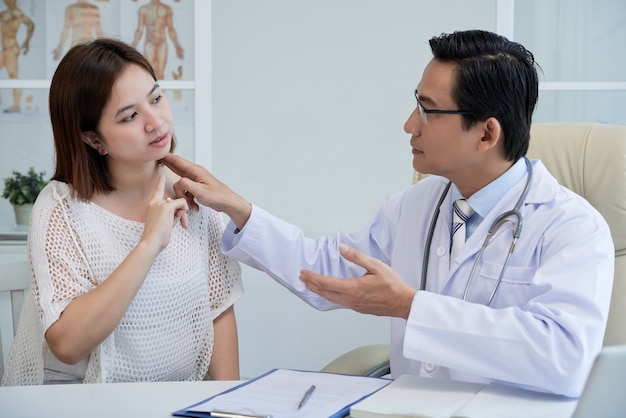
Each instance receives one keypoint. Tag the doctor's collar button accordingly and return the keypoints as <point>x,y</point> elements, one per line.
<point>429,367</point>
<point>441,251</point>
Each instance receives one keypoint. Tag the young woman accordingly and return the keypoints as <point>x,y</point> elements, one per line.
<point>127,283</point>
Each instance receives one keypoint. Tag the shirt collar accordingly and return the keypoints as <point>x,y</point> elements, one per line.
<point>486,198</point>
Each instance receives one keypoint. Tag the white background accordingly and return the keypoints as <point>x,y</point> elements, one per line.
<point>309,102</point>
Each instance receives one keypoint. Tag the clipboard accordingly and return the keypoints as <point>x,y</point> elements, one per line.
<point>278,393</point>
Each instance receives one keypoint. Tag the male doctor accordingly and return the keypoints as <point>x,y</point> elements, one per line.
<point>535,321</point>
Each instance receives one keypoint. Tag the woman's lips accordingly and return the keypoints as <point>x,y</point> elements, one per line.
<point>160,141</point>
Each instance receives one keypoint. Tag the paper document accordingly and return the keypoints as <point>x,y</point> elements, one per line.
<point>498,400</point>
<point>423,397</point>
<point>279,392</point>
<point>414,396</point>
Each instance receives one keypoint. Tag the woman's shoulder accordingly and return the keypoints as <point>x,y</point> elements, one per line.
<point>54,191</point>
<point>47,216</point>
<point>53,204</point>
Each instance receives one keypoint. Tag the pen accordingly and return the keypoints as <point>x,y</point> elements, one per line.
<point>225,414</point>
<point>306,396</point>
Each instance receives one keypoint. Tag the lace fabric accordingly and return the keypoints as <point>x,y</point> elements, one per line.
<point>167,332</point>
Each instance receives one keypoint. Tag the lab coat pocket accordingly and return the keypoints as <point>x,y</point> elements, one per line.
<point>512,290</point>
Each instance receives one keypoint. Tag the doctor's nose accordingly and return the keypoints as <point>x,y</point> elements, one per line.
<point>412,124</point>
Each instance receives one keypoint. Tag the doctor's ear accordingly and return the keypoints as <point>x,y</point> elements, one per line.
<point>492,133</point>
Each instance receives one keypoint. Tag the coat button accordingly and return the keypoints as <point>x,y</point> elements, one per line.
<point>429,367</point>
<point>441,251</point>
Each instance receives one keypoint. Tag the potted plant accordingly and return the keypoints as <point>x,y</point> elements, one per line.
<point>22,190</point>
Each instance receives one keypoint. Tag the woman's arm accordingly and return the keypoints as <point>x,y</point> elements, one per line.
<point>225,359</point>
<point>91,317</point>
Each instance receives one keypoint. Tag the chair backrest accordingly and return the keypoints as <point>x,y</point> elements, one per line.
<point>590,159</point>
<point>14,279</point>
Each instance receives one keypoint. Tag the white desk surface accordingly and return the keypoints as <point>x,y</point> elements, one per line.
<point>111,400</point>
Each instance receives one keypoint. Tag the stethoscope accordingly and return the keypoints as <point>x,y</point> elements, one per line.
<point>497,223</point>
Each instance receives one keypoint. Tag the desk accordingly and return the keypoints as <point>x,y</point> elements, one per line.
<point>110,400</point>
<point>133,400</point>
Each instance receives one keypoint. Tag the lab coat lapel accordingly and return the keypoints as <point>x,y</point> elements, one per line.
<point>542,189</point>
<point>477,239</point>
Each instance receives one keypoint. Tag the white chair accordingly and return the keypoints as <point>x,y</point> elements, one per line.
<point>367,360</point>
<point>14,279</point>
<point>590,159</point>
<point>587,158</point>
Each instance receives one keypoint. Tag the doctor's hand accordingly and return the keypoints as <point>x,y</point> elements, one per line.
<point>380,291</point>
<point>197,183</point>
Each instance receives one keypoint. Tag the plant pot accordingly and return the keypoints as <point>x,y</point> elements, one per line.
<point>22,213</point>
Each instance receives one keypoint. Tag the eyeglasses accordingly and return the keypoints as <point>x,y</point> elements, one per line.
<point>424,112</point>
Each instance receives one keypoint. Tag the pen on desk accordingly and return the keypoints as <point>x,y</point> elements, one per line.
<point>226,414</point>
<point>306,396</point>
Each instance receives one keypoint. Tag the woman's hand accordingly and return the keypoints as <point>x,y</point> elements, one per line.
<point>162,215</point>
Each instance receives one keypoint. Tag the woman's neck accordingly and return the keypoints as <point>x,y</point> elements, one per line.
<point>134,188</point>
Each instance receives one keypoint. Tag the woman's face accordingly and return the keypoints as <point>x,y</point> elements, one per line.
<point>136,123</point>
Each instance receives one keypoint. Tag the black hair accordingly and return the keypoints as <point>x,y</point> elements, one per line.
<point>495,77</point>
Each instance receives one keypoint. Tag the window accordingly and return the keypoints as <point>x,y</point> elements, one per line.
<point>578,44</point>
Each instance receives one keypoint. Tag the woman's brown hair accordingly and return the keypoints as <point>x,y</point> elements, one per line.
<point>79,90</point>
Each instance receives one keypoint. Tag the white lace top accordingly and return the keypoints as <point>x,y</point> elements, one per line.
<point>167,332</point>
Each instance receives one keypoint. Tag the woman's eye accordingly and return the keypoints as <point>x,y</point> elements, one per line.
<point>157,99</point>
<point>131,117</point>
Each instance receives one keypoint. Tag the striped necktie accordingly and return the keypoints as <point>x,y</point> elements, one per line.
<point>462,212</point>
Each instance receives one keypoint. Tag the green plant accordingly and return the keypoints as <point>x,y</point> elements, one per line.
<point>21,189</point>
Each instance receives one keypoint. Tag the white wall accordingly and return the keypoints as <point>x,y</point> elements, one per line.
<point>309,101</point>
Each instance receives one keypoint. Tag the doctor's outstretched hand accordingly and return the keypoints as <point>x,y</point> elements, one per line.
<point>196,182</point>
<point>380,291</point>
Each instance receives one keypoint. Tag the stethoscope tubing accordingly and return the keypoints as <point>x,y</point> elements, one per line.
<point>495,226</point>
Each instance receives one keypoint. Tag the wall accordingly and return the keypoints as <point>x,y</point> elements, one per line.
<point>309,101</point>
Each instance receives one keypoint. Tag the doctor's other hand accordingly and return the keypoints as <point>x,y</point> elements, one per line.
<point>197,183</point>
<point>380,291</point>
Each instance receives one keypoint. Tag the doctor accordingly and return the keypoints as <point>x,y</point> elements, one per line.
<point>534,317</point>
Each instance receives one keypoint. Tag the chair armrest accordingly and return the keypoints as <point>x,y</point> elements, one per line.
<point>367,360</point>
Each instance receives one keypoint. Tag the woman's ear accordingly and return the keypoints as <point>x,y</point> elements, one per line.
<point>492,132</point>
<point>91,138</point>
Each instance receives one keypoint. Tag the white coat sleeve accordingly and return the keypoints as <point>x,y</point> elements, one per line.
<point>281,250</point>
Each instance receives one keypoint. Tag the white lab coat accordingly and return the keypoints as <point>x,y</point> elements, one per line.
<point>546,322</point>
